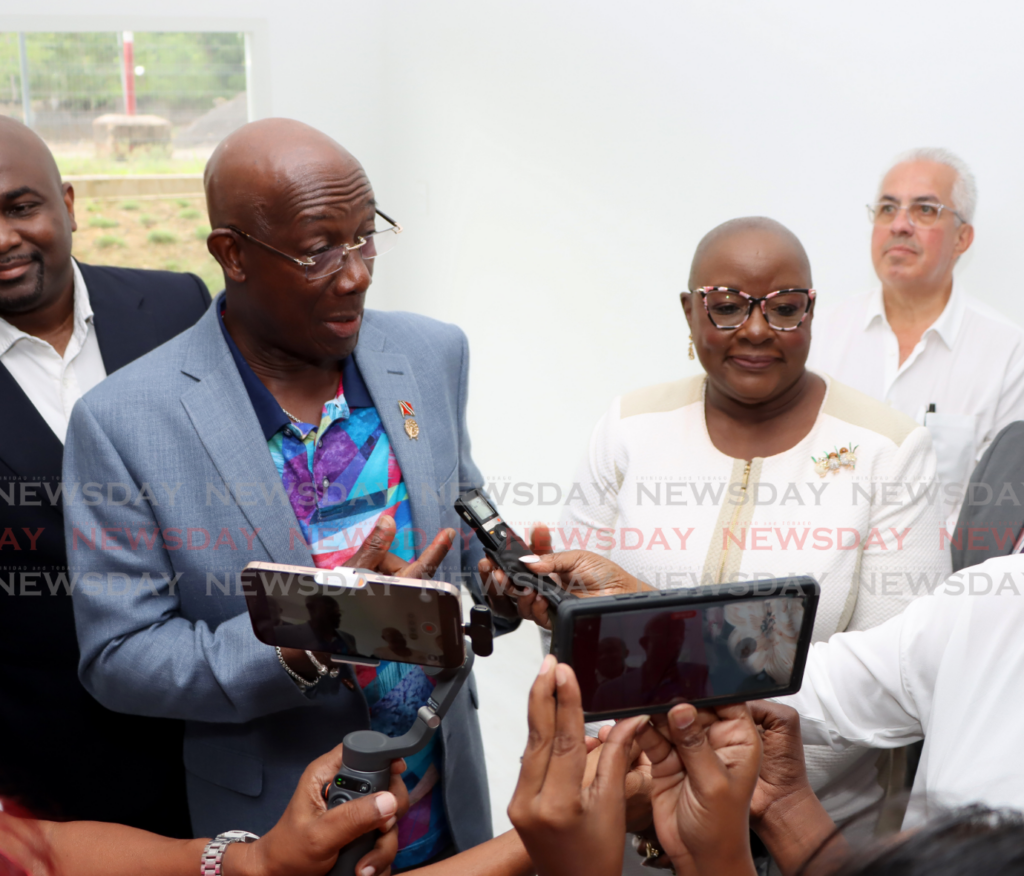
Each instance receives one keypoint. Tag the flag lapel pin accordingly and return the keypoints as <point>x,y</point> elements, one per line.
<point>412,428</point>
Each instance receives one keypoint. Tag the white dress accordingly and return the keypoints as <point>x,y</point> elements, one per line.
<point>655,496</point>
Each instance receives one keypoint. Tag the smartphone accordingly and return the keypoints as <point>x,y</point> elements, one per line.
<point>503,546</point>
<point>354,615</point>
<point>642,653</point>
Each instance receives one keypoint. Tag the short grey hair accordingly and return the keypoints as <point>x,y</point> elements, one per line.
<point>965,188</point>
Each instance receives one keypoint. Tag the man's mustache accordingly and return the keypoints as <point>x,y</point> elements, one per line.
<point>906,242</point>
<point>32,256</point>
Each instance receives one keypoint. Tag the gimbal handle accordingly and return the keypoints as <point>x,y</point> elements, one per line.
<point>367,756</point>
<point>369,751</point>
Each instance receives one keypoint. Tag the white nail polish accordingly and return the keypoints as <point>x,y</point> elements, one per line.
<point>529,558</point>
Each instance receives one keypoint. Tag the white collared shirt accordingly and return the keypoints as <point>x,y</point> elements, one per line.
<point>950,670</point>
<point>969,364</point>
<point>54,383</point>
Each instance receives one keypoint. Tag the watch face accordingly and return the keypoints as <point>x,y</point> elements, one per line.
<point>237,836</point>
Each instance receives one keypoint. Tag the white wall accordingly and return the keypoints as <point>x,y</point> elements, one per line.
<point>556,162</point>
<point>573,153</point>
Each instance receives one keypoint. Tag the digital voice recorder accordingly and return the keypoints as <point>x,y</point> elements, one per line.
<point>503,546</point>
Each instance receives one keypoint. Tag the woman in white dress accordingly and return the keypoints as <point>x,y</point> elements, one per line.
<point>763,469</point>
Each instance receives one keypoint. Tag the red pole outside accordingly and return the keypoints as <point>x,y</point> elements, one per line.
<point>129,73</point>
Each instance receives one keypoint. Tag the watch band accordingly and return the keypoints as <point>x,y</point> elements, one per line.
<point>304,684</point>
<point>322,670</point>
<point>213,854</point>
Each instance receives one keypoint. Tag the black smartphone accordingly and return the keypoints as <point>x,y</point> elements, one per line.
<point>503,546</point>
<point>354,615</point>
<point>642,653</point>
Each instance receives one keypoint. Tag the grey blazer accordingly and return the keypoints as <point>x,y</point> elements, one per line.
<point>992,515</point>
<point>170,490</point>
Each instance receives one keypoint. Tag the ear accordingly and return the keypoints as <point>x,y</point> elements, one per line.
<point>68,192</point>
<point>223,246</point>
<point>964,239</point>
<point>686,299</point>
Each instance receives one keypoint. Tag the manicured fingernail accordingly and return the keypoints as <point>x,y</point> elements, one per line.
<point>529,558</point>
<point>386,804</point>
<point>682,719</point>
<point>368,870</point>
<point>561,674</point>
<point>545,666</point>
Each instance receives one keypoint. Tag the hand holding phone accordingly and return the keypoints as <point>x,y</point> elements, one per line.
<point>570,826</point>
<point>374,554</point>
<point>355,616</point>
<point>642,653</point>
<point>703,771</point>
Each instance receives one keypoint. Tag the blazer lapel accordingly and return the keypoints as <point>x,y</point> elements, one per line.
<point>222,415</point>
<point>124,330</point>
<point>389,378</point>
<point>28,446</point>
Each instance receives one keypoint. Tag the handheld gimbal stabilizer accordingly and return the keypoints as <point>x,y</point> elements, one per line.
<point>367,755</point>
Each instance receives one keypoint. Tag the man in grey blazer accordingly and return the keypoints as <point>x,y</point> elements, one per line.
<point>991,520</point>
<point>197,449</point>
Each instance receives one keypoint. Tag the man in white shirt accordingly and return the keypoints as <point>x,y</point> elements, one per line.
<point>950,670</point>
<point>918,341</point>
<point>60,361</point>
<point>63,327</point>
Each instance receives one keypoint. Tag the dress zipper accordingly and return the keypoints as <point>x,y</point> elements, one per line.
<point>735,516</point>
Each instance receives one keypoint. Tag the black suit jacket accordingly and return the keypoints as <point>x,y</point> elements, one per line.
<point>992,516</point>
<point>62,755</point>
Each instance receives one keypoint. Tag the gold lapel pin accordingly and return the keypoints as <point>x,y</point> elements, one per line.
<point>412,428</point>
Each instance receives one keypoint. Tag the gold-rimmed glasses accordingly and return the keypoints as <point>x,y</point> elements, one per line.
<point>330,261</point>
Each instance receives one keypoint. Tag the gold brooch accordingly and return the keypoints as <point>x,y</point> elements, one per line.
<point>844,457</point>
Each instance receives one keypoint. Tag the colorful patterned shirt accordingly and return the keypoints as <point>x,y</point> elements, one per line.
<point>340,476</point>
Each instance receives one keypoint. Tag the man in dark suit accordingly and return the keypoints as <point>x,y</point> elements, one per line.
<point>992,515</point>
<point>64,326</point>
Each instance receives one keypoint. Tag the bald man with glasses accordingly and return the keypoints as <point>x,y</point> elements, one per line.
<point>918,340</point>
<point>294,426</point>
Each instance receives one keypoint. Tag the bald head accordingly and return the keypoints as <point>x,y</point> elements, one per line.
<point>291,195</point>
<point>270,172</point>
<point>757,236</point>
<point>25,146</point>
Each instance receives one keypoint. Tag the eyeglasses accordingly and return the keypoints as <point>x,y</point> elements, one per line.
<point>783,310</point>
<point>920,213</point>
<point>332,260</point>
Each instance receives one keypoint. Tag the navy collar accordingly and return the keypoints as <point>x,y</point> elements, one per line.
<point>271,416</point>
